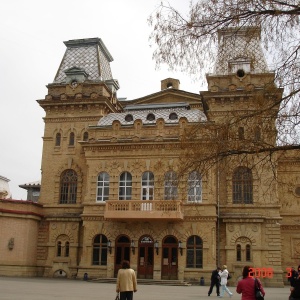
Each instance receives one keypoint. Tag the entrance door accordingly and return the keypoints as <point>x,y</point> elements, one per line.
<point>122,252</point>
<point>145,262</point>
<point>169,266</point>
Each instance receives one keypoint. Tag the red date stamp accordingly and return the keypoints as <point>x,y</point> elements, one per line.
<point>261,272</point>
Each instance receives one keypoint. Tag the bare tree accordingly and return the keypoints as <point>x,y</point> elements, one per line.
<point>189,42</point>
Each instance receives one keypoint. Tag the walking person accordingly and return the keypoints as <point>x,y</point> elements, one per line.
<point>246,285</point>
<point>223,276</point>
<point>294,276</point>
<point>295,288</point>
<point>215,281</point>
<point>126,281</point>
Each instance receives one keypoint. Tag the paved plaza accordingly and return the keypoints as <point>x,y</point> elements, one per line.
<point>13,288</point>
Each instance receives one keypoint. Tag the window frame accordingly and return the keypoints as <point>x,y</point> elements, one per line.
<point>194,252</point>
<point>68,187</point>
<point>85,136</point>
<point>125,186</point>
<point>99,249</point>
<point>248,252</point>
<point>238,252</point>
<point>194,193</point>
<point>242,186</point>
<point>58,139</point>
<point>147,186</point>
<point>102,193</point>
<point>72,139</point>
<point>170,186</point>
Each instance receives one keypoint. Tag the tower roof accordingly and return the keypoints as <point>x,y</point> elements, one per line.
<point>88,55</point>
<point>240,47</point>
<point>150,113</point>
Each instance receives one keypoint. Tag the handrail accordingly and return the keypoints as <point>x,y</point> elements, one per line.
<point>144,205</point>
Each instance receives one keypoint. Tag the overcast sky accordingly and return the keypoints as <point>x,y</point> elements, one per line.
<point>31,36</point>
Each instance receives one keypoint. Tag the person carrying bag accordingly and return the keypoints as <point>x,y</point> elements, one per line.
<point>247,286</point>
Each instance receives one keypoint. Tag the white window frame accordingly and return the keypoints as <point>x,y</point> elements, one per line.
<point>102,187</point>
<point>125,186</point>
<point>194,187</point>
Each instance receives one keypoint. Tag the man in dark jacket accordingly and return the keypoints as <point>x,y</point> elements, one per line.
<point>215,280</point>
<point>293,277</point>
<point>295,289</point>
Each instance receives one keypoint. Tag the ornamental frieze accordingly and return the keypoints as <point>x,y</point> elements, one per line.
<point>73,119</point>
<point>131,147</point>
<point>94,218</point>
<point>199,218</point>
<point>289,227</point>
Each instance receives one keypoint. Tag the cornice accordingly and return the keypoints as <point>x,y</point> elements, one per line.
<point>63,219</point>
<point>93,218</point>
<point>139,145</point>
<point>70,119</point>
<point>200,218</point>
<point>290,227</point>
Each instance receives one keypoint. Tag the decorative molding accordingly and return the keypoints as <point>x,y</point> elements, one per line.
<point>121,146</point>
<point>200,218</point>
<point>71,119</point>
<point>90,218</point>
<point>290,227</point>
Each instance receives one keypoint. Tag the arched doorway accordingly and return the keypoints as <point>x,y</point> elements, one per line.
<point>122,252</point>
<point>146,256</point>
<point>169,267</point>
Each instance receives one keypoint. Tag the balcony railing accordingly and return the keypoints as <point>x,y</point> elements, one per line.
<point>147,210</point>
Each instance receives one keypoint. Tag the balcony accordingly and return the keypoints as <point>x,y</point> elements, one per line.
<point>169,210</point>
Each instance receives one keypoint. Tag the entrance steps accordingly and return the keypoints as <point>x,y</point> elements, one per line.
<point>146,281</point>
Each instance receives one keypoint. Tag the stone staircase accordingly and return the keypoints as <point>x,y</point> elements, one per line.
<point>145,281</point>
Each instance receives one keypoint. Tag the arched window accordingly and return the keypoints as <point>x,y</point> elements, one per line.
<point>238,252</point>
<point>129,118</point>
<point>68,187</point>
<point>150,117</point>
<point>62,246</point>
<point>57,139</point>
<point>103,186</point>
<point>67,249</point>
<point>72,139</point>
<point>242,186</point>
<point>147,186</point>
<point>248,252</point>
<point>173,116</point>
<point>125,186</point>
<point>100,250</point>
<point>171,190</point>
<point>241,133</point>
<point>58,249</point>
<point>85,136</point>
<point>257,134</point>
<point>194,252</point>
<point>243,249</point>
<point>194,187</point>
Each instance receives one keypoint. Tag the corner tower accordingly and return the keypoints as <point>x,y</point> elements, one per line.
<point>242,102</point>
<point>83,91</point>
<point>241,84</point>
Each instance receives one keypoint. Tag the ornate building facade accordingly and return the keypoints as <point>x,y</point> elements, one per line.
<point>118,177</point>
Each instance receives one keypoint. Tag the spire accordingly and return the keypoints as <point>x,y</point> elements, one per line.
<point>240,50</point>
<point>86,59</point>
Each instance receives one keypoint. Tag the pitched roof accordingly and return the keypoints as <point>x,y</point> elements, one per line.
<point>240,44</point>
<point>149,114</point>
<point>90,55</point>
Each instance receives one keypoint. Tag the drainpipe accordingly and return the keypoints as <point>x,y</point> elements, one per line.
<point>218,213</point>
